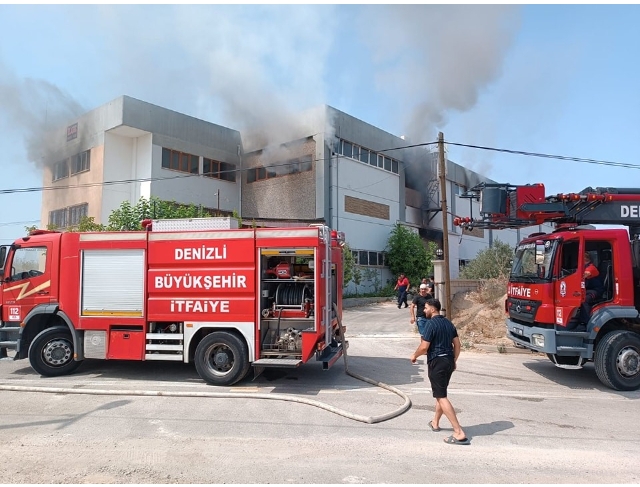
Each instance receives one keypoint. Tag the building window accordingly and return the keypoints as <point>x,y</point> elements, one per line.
<point>58,218</point>
<point>367,156</point>
<point>347,148</point>
<point>292,166</point>
<point>68,217</point>
<point>77,213</point>
<point>364,156</point>
<point>81,162</point>
<point>60,170</point>
<point>218,170</point>
<point>458,189</point>
<point>210,168</point>
<point>180,161</point>
<point>368,258</point>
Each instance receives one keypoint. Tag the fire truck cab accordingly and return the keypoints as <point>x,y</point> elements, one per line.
<point>547,287</point>
<point>199,291</point>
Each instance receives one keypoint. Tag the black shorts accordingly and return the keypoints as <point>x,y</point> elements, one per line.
<point>440,370</point>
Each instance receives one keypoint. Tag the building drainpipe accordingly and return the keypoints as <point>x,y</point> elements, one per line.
<point>241,179</point>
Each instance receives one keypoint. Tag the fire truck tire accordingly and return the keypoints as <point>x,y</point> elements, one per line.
<point>51,352</point>
<point>617,360</point>
<point>222,359</point>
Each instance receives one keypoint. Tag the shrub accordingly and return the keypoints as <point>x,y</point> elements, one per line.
<point>490,263</point>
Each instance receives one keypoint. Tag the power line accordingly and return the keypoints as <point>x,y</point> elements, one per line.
<point>6,224</point>
<point>550,156</point>
<point>411,146</point>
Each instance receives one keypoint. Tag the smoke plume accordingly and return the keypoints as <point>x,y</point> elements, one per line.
<point>32,108</point>
<point>436,59</point>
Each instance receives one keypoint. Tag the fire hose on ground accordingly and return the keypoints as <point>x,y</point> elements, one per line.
<point>243,395</point>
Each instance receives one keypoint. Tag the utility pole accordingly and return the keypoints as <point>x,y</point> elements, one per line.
<point>445,225</point>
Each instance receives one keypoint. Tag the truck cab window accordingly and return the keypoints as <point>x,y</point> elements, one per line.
<point>28,262</point>
<point>569,258</point>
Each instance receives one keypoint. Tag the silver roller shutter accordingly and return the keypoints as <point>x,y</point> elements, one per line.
<point>112,282</point>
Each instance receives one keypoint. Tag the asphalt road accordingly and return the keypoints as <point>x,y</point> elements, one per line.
<point>528,421</point>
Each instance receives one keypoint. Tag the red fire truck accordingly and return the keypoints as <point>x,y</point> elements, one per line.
<point>197,291</point>
<point>546,285</point>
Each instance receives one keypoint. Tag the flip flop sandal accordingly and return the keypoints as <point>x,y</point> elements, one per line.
<point>452,440</point>
<point>432,428</point>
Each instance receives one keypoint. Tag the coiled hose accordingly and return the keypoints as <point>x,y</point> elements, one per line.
<point>243,395</point>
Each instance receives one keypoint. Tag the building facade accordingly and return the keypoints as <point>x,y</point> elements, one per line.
<point>128,149</point>
<point>338,169</point>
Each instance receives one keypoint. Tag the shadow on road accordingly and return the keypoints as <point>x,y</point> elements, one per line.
<point>487,429</point>
<point>70,418</point>
<point>580,379</point>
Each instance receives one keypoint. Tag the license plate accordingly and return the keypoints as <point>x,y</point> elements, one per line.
<point>518,331</point>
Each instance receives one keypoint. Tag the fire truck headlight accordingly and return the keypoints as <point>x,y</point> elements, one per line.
<point>537,340</point>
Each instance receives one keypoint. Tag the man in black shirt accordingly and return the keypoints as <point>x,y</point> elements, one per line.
<point>417,307</point>
<point>441,344</point>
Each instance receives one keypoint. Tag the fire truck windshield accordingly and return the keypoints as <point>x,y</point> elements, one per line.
<point>524,267</point>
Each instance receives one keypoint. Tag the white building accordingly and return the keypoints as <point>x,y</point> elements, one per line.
<point>355,177</point>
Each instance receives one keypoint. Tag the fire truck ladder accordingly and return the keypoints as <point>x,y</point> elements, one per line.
<point>333,349</point>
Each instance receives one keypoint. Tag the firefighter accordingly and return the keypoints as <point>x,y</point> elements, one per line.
<point>594,288</point>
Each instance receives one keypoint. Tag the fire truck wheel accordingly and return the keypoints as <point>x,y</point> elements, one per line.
<point>617,360</point>
<point>222,358</point>
<point>51,352</point>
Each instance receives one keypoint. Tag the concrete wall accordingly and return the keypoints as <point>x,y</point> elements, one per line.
<point>286,196</point>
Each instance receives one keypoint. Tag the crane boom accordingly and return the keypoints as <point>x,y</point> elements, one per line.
<point>509,206</point>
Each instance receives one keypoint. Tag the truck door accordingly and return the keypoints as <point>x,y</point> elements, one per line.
<point>568,290</point>
<point>27,281</point>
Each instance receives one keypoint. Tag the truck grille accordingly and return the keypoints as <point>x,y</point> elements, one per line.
<point>522,309</point>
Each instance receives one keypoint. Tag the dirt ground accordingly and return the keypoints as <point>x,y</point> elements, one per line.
<point>480,318</point>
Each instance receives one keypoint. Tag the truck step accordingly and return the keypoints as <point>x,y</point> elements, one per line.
<point>330,355</point>
<point>164,356</point>
<point>164,336</point>
<point>571,349</point>
<point>164,347</point>
<point>289,363</point>
<point>10,329</point>
<point>9,344</point>
<point>582,334</point>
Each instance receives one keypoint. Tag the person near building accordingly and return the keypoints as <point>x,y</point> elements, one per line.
<point>417,308</point>
<point>441,344</point>
<point>431,285</point>
<point>402,286</point>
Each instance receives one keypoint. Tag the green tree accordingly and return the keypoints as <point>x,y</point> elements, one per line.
<point>490,263</point>
<point>348,263</point>
<point>407,253</point>
<point>129,217</point>
<point>87,224</point>
<point>357,277</point>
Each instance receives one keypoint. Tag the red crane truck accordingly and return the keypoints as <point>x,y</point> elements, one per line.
<point>197,291</point>
<point>546,286</point>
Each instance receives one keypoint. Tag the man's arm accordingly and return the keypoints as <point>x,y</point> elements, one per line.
<point>456,351</point>
<point>421,350</point>
<point>412,310</point>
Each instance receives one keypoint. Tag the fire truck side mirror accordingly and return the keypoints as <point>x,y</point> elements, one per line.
<point>4,250</point>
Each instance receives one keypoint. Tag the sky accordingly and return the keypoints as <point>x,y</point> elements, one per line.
<point>552,79</point>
